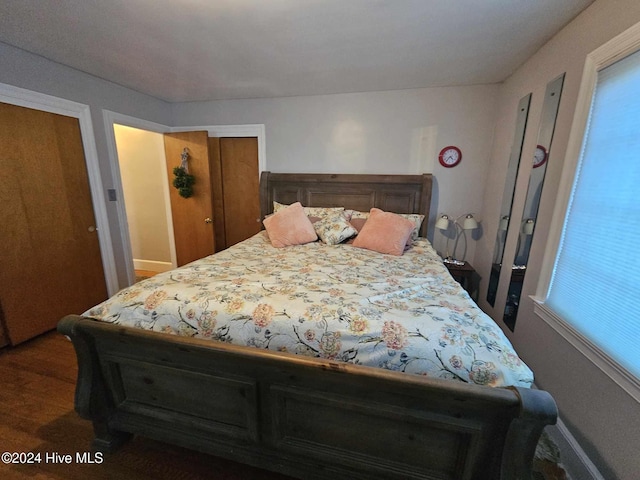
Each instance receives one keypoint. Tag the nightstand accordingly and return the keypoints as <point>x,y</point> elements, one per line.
<point>462,274</point>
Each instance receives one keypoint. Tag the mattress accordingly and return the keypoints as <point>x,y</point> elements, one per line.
<point>402,313</point>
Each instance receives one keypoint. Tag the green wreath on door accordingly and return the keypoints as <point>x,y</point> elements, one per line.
<point>184,181</point>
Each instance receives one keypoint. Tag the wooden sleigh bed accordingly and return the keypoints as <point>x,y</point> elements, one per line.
<point>306,417</point>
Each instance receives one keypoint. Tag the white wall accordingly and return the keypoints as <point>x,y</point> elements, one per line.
<point>32,72</point>
<point>380,132</point>
<point>143,171</point>
<point>604,419</point>
<point>399,132</point>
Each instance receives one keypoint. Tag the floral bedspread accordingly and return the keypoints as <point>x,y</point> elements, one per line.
<point>338,302</point>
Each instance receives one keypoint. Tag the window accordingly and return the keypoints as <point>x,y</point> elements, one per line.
<point>594,286</point>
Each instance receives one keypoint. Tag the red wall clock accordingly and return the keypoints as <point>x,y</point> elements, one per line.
<point>450,156</point>
<point>540,156</point>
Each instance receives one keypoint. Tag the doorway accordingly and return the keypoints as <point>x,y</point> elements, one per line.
<point>257,131</point>
<point>145,189</point>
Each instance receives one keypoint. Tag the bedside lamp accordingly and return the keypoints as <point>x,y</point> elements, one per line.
<point>469,223</point>
<point>520,262</point>
<point>443,224</point>
<point>528,226</point>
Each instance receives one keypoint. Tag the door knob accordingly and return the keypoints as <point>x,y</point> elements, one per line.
<point>208,220</point>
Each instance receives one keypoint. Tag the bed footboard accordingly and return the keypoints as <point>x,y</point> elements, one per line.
<point>304,417</point>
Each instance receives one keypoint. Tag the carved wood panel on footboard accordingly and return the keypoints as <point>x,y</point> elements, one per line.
<point>301,416</point>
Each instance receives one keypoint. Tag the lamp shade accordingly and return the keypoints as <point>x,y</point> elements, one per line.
<point>504,223</point>
<point>527,228</point>
<point>443,222</point>
<point>469,222</point>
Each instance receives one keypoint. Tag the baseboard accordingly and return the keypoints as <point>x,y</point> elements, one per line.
<point>151,265</point>
<point>572,457</point>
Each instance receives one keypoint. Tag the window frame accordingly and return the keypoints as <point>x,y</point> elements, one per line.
<point>616,49</point>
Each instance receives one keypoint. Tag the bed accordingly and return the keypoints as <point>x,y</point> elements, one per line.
<point>348,377</point>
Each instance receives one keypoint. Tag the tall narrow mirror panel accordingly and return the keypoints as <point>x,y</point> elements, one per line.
<point>507,197</point>
<point>527,224</point>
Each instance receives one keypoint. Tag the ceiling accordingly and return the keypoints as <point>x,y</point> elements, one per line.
<point>195,50</point>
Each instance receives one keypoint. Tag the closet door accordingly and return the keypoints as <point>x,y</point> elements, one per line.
<point>50,261</point>
<point>217,197</point>
<point>236,188</point>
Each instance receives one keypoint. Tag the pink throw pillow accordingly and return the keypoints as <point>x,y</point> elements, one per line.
<point>384,232</point>
<point>290,226</point>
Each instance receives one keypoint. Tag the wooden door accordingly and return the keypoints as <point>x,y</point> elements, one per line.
<point>192,217</point>
<point>50,261</point>
<point>236,187</point>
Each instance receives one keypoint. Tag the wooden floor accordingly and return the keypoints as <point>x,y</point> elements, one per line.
<point>145,273</point>
<point>37,381</point>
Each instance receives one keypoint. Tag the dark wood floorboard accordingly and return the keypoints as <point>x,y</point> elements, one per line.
<point>37,382</point>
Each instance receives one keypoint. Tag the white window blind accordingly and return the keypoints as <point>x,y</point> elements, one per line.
<point>595,284</point>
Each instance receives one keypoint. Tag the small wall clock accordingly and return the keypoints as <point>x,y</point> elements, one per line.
<point>540,156</point>
<point>450,156</point>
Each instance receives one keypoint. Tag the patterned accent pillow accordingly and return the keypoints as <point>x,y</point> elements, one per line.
<point>333,229</point>
<point>351,214</point>
<point>311,211</point>
<point>417,221</point>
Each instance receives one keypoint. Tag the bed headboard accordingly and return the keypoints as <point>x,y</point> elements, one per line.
<point>393,193</point>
